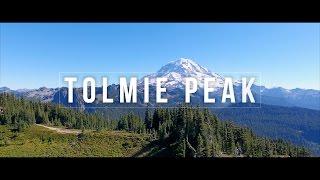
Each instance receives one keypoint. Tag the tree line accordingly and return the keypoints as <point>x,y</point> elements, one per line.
<point>21,113</point>
<point>189,131</point>
<point>184,131</point>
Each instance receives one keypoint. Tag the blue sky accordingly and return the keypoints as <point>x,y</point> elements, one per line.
<point>32,55</point>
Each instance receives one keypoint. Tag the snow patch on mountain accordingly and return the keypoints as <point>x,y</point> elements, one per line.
<point>177,71</point>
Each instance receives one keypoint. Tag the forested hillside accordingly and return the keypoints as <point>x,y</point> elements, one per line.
<point>195,132</point>
<point>184,131</point>
<point>22,113</point>
<point>298,125</point>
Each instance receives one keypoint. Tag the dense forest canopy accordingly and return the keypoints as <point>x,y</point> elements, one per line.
<point>184,131</point>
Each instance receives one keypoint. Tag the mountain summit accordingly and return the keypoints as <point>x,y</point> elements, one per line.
<point>177,71</point>
<point>183,66</point>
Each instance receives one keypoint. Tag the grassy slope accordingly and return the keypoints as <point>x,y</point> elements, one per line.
<point>41,142</point>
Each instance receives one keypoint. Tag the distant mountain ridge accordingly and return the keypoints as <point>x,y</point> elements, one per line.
<point>282,113</point>
<point>176,72</point>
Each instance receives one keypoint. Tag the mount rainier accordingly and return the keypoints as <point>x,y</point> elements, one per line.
<point>176,72</point>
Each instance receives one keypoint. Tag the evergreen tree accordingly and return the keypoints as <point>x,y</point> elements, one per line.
<point>200,147</point>
<point>156,120</point>
<point>181,149</point>
<point>148,118</point>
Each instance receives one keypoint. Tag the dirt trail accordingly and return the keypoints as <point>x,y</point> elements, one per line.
<point>61,130</point>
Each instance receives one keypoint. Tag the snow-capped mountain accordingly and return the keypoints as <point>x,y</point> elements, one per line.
<point>263,120</point>
<point>177,71</point>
